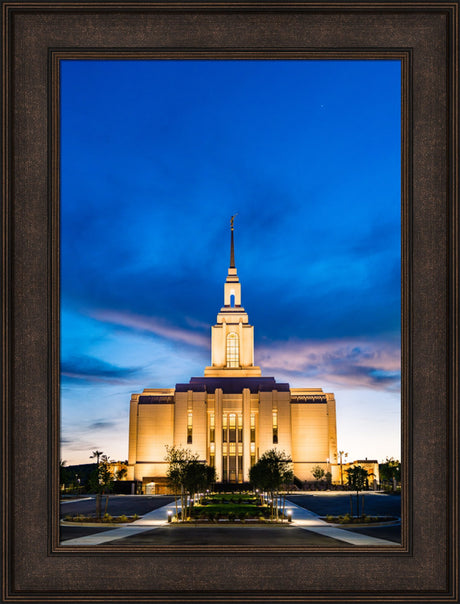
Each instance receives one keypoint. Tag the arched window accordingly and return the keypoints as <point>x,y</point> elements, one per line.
<point>233,350</point>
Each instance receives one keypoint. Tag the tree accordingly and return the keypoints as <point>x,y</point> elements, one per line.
<point>121,473</point>
<point>318,473</point>
<point>178,458</point>
<point>271,472</point>
<point>342,455</point>
<point>97,454</point>
<point>65,474</point>
<point>101,482</point>
<point>211,477</point>
<point>390,471</point>
<point>187,476</point>
<point>357,477</point>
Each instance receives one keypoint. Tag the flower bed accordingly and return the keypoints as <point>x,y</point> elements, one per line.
<point>363,519</point>
<point>107,518</point>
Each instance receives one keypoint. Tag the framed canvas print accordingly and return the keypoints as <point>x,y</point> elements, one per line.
<point>260,130</point>
<point>230,245</point>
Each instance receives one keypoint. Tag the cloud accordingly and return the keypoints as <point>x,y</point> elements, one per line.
<point>90,369</point>
<point>151,325</point>
<point>372,364</point>
<point>101,425</point>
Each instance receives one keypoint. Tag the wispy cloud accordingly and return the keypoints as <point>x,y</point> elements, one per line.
<point>151,325</point>
<point>364,363</point>
<point>90,369</point>
<point>102,425</point>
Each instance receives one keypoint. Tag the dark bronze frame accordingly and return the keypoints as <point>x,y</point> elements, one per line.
<point>424,37</point>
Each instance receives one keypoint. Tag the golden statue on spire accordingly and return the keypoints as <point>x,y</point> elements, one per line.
<point>232,219</point>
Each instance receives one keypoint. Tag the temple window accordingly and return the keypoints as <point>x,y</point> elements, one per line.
<point>253,453</point>
<point>232,428</point>
<point>275,427</point>
<point>253,428</point>
<point>212,428</point>
<point>233,350</point>
<point>189,427</point>
<point>224,428</point>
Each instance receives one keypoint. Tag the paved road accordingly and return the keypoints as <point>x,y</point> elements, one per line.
<point>335,503</point>
<point>235,535</point>
<point>73,532</point>
<point>118,504</point>
<point>374,504</point>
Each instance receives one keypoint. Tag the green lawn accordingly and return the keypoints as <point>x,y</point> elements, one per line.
<point>230,506</point>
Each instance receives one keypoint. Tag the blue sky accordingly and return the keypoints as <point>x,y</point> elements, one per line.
<point>155,158</point>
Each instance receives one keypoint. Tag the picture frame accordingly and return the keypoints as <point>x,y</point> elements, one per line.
<point>424,37</point>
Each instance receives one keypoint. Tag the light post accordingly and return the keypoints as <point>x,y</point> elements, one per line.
<point>169,515</point>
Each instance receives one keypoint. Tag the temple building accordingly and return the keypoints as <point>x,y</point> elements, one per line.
<point>233,414</point>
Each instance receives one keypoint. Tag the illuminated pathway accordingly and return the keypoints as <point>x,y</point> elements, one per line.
<point>311,522</point>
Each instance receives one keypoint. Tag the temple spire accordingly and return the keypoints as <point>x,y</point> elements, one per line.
<point>232,338</point>
<point>232,246</point>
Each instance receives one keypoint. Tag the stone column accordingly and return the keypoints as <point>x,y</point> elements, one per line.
<point>218,439</point>
<point>246,433</point>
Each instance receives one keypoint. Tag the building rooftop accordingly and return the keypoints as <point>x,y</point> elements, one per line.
<point>232,385</point>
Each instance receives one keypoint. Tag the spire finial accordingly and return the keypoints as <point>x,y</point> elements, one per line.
<point>232,250</point>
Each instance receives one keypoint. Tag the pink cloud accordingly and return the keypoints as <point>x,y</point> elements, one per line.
<point>151,325</point>
<point>357,362</point>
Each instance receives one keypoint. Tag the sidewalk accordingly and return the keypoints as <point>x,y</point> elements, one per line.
<point>148,522</point>
<point>312,522</point>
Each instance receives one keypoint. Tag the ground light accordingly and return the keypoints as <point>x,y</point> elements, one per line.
<point>289,515</point>
<point>169,515</point>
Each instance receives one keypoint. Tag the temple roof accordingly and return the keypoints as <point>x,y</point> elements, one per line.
<point>232,385</point>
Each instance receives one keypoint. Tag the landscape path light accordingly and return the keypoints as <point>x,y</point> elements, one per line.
<point>289,515</point>
<point>169,515</point>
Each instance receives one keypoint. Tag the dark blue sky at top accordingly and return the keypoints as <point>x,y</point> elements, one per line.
<point>157,155</point>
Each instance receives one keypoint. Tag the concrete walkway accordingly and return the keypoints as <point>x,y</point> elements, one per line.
<point>312,522</point>
<point>148,522</point>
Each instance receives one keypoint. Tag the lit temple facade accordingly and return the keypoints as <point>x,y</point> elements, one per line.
<point>233,414</point>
